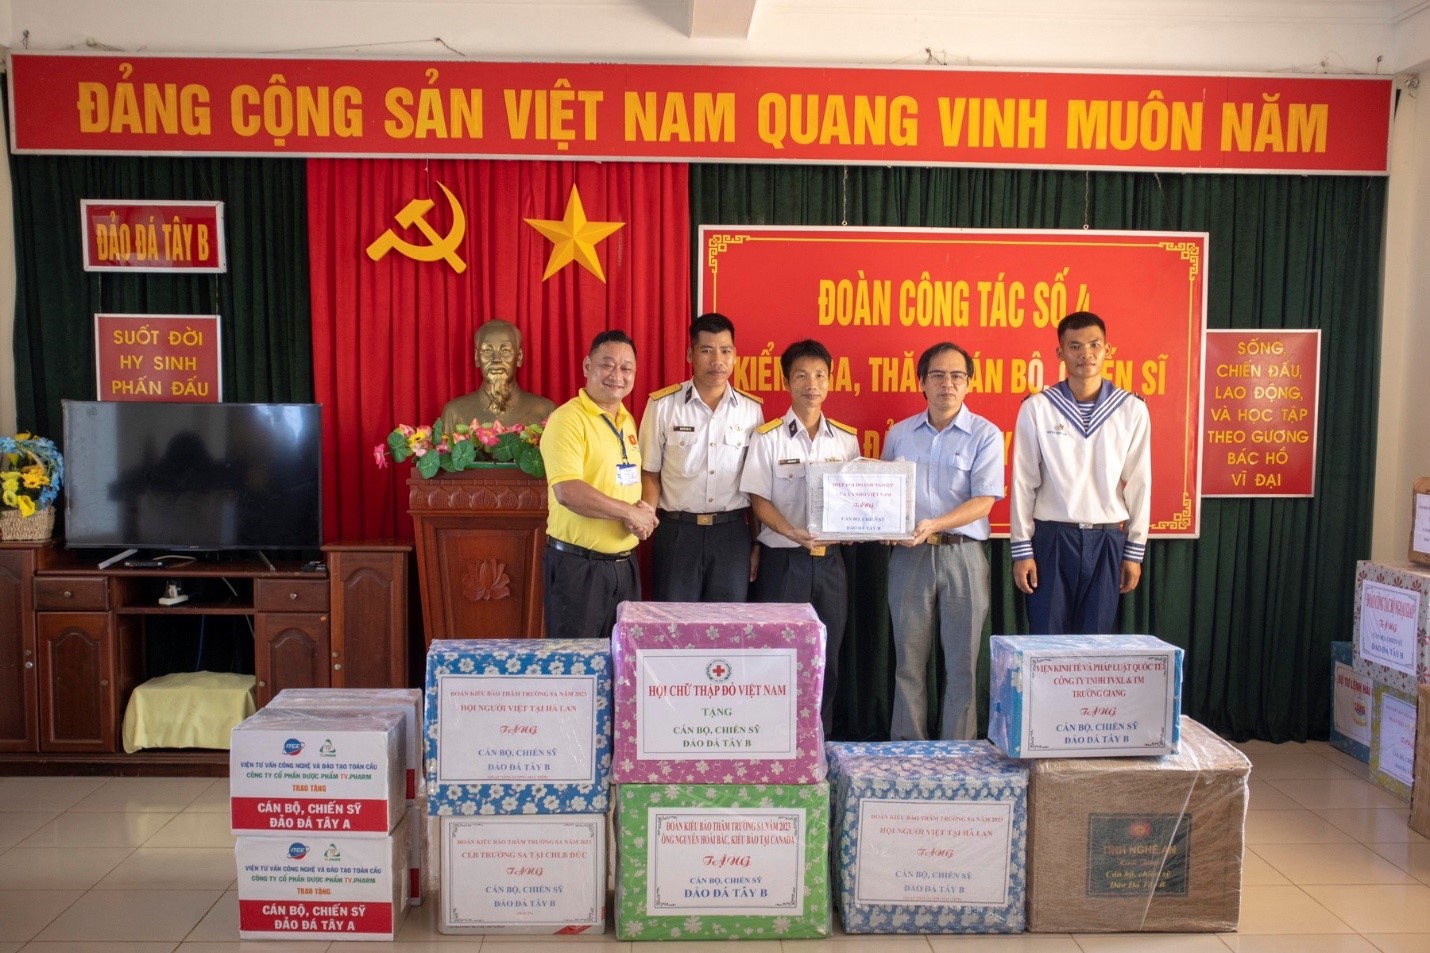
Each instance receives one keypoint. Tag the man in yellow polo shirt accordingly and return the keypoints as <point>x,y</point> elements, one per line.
<point>595,515</point>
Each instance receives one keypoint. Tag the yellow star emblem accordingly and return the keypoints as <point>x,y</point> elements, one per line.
<point>574,238</point>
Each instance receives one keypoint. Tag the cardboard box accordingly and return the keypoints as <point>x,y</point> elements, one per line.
<point>529,874</point>
<point>1420,794</point>
<point>1392,741</point>
<point>406,701</point>
<point>322,886</point>
<point>518,726</point>
<point>718,693</point>
<point>722,861</point>
<point>333,771</point>
<point>1127,845</point>
<point>861,500</point>
<point>416,851</point>
<point>931,842</point>
<point>1392,624</point>
<point>1084,696</point>
<point>1351,701</point>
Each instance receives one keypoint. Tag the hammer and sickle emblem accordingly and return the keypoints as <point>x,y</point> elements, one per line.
<point>440,247</point>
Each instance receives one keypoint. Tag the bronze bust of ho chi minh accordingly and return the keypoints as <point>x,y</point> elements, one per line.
<point>500,399</point>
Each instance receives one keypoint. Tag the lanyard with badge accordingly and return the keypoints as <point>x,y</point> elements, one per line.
<point>627,473</point>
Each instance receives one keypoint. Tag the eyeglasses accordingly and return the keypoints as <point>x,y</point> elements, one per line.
<point>947,377</point>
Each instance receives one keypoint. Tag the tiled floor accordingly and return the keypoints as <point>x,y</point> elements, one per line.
<point>133,865</point>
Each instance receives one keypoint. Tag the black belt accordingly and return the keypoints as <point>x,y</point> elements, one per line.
<point>585,553</point>
<point>704,519</point>
<point>949,539</point>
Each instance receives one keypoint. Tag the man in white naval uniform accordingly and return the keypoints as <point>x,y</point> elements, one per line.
<point>1081,490</point>
<point>794,566</point>
<point>693,439</point>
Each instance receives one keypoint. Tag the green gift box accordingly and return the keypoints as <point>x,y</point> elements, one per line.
<point>722,861</point>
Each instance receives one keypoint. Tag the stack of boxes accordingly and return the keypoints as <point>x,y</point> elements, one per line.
<point>518,740</point>
<point>1137,816</point>
<point>930,837</point>
<point>319,809</point>
<point>723,809</point>
<point>1392,650</point>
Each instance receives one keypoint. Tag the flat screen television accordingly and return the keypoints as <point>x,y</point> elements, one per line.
<point>192,477</point>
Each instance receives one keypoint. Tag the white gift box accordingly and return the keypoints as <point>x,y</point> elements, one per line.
<point>932,839</point>
<point>1084,696</point>
<point>407,701</point>
<point>862,499</point>
<point>320,886</point>
<point>518,726</point>
<point>542,873</point>
<point>1392,624</point>
<point>299,769</point>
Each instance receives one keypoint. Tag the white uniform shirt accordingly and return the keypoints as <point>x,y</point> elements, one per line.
<point>1065,473</point>
<point>775,468</point>
<point>699,453</point>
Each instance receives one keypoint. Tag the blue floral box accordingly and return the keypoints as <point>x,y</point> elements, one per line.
<point>1084,696</point>
<point>929,837</point>
<point>1351,703</point>
<point>518,726</point>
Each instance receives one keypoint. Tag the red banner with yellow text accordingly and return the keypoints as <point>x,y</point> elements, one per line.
<point>158,357</point>
<point>1262,390</point>
<point>877,297</point>
<point>187,105</point>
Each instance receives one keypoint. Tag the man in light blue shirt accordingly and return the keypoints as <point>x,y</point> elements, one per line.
<point>938,581</point>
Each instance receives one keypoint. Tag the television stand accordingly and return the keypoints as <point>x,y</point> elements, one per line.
<point>74,641</point>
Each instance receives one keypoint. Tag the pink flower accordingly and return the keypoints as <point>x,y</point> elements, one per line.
<point>379,454</point>
<point>442,447</point>
<point>488,438</point>
<point>406,430</point>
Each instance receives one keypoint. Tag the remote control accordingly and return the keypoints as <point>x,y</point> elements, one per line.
<point>143,564</point>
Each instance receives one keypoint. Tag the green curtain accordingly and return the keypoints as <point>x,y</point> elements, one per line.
<point>1257,599</point>
<point>262,301</point>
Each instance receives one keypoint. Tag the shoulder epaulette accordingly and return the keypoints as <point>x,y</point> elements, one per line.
<point>769,425</point>
<point>745,393</point>
<point>666,391</point>
<point>844,427</point>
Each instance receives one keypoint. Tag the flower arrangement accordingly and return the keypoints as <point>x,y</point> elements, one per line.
<point>31,473</point>
<point>468,445</point>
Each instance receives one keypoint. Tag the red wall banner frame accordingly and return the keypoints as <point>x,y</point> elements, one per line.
<point>302,106</point>
<point>166,358</point>
<point>878,297</point>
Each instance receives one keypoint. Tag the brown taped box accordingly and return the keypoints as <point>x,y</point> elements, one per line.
<point>1420,792</point>
<point>1126,845</point>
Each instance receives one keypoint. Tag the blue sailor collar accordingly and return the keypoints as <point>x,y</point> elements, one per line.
<point>1108,399</point>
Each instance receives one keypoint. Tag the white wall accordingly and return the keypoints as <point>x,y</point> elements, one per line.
<point>1371,36</point>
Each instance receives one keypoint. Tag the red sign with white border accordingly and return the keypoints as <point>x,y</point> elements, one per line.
<point>1259,432</point>
<point>153,236</point>
<point>167,358</point>
<point>148,104</point>
<point>877,297</point>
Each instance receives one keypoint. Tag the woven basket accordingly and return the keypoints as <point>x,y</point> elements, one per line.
<point>41,525</point>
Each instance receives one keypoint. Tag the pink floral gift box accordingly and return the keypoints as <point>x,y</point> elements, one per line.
<point>718,693</point>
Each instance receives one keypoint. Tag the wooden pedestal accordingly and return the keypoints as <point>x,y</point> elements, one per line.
<point>480,537</point>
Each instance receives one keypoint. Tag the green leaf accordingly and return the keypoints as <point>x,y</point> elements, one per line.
<point>505,450</point>
<point>464,454</point>
<point>529,459</point>
<point>429,463</point>
<point>398,445</point>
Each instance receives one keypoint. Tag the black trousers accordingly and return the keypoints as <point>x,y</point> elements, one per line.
<point>694,563</point>
<point>582,592</point>
<point>793,575</point>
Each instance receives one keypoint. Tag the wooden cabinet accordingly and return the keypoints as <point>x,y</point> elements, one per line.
<point>19,721</point>
<point>290,650</point>
<point>87,662</point>
<point>72,639</point>
<point>369,599</point>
